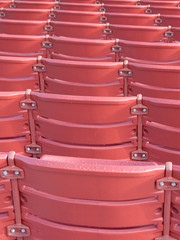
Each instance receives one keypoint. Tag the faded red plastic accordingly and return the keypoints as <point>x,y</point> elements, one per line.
<point>159,81</point>
<point>77,201</point>
<point>33,4</point>
<point>126,9</point>
<point>21,45</point>
<point>13,122</point>
<point>149,51</point>
<point>77,16</point>
<point>89,79</point>
<point>17,74</point>
<point>100,110</point>
<point>78,30</point>
<point>131,19</point>
<point>138,33</point>
<point>25,14</point>
<point>82,49</point>
<point>19,26</point>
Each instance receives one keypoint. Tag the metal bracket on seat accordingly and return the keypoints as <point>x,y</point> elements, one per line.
<point>18,231</point>
<point>169,34</point>
<point>116,48</point>
<point>103,18</point>
<point>158,20</point>
<point>2,13</point>
<point>12,172</point>
<point>28,104</point>
<point>52,14</point>
<point>102,8</point>
<point>138,3</point>
<point>148,10</point>
<point>57,7</point>
<point>48,26</point>
<point>139,110</point>
<point>168,184</point>
<point>33,149</point>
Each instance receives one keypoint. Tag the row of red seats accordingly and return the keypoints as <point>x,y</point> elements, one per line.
<point>89,119</point>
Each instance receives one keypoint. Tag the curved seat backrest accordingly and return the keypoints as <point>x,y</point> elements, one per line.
<point>17,73</point>
<point>109,184</point>
<point>19,27</point>
<point>82,49</point>
<point>21,45</point>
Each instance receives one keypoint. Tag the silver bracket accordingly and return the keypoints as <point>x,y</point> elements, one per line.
<point>11,172</point>
<point>28,104</point>
<point>18,230</point>
<point>33,149</point>
<point>168,183</point>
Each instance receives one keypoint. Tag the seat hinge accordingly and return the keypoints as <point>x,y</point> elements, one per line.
<point>168,184</point>
<point>139,110</point>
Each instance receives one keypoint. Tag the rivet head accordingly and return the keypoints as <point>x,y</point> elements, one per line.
<point>23,104</point>
<point>12,230</point>
<point>23,230</point>
<point>16,172</point>
<point>5,173</point>
<point>37,149</point>
<point>28,149</point>
<point>173,184</point>
<point>161,184</point>
<point>135,155</point>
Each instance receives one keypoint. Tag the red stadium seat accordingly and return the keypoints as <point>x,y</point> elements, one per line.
<point>150,51</point>
<point>26,14</point>
<point>82,49</point>
<point>33,4</point>
<point>22,27</point>
<point>104,113</point>
<point>77,16</point>
<point>13,123</point>
<point>72,6</point>
<point>83,78</point>
<point>17,74</point>
<point>161,130</point>
<point>160,3</point>
<point>77,30</point>
<point>132,19</point>
<point>165,10</point>
<point>138,33</point>
<point>113,201</point>
<point>21,45</point>
<point>126,9</point>
<point>174,21</point>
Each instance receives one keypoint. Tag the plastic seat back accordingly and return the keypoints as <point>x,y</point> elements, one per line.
<point>17,74</point>
<point>13,123</point>
<point>21,46</point>
<point>82,49</point>
<point>73,116</point>
<point>71,199</point>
